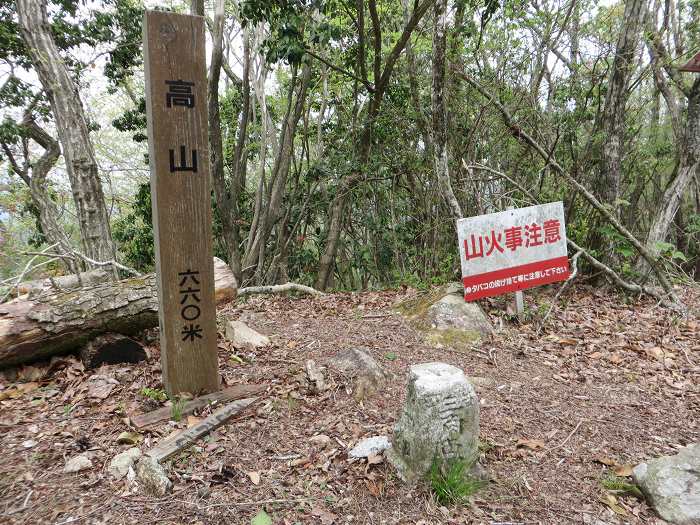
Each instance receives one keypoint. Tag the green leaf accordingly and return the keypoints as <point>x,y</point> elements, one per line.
<point>679,255</point>
<point>261,518</point>
<point>391,356</point>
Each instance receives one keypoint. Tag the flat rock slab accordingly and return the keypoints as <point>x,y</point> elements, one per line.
<point>240,334</point>
<point>671,484</point>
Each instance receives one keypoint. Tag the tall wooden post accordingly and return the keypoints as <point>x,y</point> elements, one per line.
<point>176,105</point>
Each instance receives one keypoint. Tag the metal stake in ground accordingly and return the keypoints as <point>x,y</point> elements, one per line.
<point>176,101</point>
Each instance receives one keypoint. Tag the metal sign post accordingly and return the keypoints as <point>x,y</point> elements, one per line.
<point>176,102</point>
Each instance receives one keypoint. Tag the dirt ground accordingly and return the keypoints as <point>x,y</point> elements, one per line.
<point>606,384</point>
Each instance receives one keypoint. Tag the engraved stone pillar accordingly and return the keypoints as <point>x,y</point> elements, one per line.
<point>440,421</point>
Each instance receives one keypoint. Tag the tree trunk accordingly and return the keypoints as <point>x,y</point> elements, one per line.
<point>689,165</point>
<point>614,111</point>
<point>440,160</point>
<point>72,128</point>
<point>59,322</point>
<point>34,174</point>
<point>224,198</point>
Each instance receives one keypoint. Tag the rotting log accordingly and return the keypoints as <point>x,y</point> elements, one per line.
<point>55,323</point>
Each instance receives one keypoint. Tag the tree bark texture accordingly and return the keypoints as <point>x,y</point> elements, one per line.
<point>58,322</point>
<point>687,170</point>
<point>614,110</point>
<point>440,160</point>
<point>72,127</point>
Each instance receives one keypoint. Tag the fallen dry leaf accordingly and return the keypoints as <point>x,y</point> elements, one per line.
<point>100,387</point>
<point>606,461</point>
<point>533,444</point>
<point>18,391</point>
<point>611,501</point>
<point>375,459</point>
<point>326,517</point>
<point>254,477</point>
<point>623,470</point>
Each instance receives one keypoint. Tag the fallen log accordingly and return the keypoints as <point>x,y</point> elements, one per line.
<point>53,323</point>
<point>64,282</point>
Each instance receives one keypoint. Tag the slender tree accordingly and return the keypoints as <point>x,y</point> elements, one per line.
<point>72,128</point>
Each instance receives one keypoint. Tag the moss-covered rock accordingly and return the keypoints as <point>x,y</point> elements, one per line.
<point>445,318</point>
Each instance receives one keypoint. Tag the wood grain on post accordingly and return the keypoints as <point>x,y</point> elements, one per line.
<point>176,105</point>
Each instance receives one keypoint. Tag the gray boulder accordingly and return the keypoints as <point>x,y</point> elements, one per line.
<point>446,318</point>
<point>439,422</point>
<point>452,312</point>
<point>671,485</point>
<point>361,367</point>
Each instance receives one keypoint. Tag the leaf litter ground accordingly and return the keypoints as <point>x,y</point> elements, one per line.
<point>565,412</point>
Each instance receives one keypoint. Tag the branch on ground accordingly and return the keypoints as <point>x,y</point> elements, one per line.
<point>278,288</point>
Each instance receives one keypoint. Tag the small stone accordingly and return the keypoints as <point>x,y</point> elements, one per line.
<point>240,334</point>
<point>356,362</point>
<point>370,446</point>
<point>671,484</point>
<point>439,422</point>
<point>315,376</point>
<point>77,464</point>
<point>129,438</point>
<point>152,476</point>
<point>121,463</point>
<point>321,440</point>
<point>29,443</point>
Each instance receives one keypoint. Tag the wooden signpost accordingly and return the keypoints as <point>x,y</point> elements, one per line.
<point>176,105</point>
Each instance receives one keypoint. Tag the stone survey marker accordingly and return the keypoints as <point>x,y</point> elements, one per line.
<point>176,102</point>
<point>512,250</point>
<point>440,421</point>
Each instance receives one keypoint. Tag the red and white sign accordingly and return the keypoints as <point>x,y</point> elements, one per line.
<point>512,250</point>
